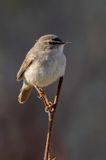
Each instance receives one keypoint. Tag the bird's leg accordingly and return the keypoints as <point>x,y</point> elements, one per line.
<point>49,106</point>
<point>43,97</point>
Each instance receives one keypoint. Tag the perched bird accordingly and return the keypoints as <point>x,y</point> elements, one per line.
<point>44,64</point>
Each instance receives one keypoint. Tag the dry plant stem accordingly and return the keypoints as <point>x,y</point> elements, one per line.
<point>51,114</point>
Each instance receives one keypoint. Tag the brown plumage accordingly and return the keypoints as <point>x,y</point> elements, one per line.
<point>43,65</point>
<point>24,93</point>
<point>26,63</point>
<point>26,88</point>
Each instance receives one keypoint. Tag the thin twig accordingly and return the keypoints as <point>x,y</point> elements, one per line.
<point>49,135</point>
<point>51,113</point>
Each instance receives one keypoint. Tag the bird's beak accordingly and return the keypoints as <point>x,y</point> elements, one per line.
<point>67,43</point>
<point>64,43</point>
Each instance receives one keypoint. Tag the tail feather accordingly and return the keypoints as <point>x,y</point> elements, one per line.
<point>24,93</point>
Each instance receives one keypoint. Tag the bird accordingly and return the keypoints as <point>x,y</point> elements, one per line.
<point>43,65</point>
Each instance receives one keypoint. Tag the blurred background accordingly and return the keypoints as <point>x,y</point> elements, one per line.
<point>80,122</point>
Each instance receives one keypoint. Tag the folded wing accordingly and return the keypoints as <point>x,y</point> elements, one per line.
<point>26,63</point>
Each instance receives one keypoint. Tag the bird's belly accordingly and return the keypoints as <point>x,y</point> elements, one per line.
<point>47,72</point>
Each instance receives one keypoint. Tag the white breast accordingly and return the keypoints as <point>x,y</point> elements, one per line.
<point>46,69</point>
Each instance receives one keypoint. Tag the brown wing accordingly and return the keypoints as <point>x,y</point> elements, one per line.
<point>26,63</point>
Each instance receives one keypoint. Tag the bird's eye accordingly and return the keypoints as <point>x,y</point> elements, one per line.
<point>53,43</point>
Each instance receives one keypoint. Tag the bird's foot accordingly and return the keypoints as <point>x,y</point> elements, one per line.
<point>50,107</point>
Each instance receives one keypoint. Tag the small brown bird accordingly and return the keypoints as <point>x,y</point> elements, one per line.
<point>43,65</point>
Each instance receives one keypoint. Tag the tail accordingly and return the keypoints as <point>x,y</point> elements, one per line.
<point>24,93</point>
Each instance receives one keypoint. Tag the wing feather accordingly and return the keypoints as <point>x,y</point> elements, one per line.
<point>26,63</point>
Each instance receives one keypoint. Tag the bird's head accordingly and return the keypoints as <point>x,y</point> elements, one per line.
<point>51,42</point>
